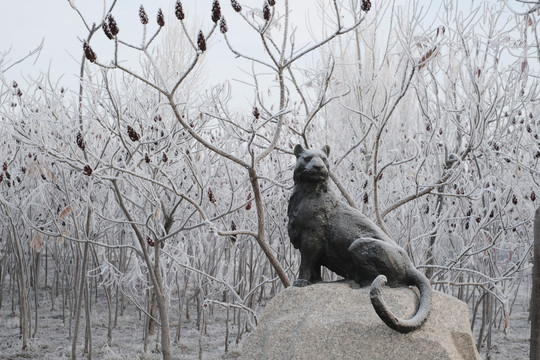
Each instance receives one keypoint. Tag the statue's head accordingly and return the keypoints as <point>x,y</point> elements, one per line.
<point>311,164</point>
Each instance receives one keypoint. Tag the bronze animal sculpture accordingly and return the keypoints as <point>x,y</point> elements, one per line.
<point>333,234</point>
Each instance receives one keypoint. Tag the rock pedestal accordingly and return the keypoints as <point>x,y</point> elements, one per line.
<point>337,321</point>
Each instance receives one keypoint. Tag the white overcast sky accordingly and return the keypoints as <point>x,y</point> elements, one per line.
<point>25,23</point>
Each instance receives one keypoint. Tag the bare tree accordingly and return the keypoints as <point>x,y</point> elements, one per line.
<point>162,194</point>
<point>158,159</point>
<point>535,297</point>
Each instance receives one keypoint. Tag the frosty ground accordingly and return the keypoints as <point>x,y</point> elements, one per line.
<point>52,339</point>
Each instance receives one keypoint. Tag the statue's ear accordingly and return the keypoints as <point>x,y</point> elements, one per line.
<point>298,150</point>
<point>326,149</point>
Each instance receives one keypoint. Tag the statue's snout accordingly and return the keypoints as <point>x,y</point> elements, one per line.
<point>316,165</point>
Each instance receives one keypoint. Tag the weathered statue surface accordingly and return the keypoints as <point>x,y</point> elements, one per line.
<point>331,233</point>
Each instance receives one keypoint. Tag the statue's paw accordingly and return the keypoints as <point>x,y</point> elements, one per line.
<point>300,282</point>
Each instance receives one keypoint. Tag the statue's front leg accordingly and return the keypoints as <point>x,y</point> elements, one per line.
<point>310,268</point>
<point>303,273</point>
<point>300,282</point>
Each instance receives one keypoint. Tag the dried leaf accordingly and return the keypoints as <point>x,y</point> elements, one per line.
<point>524,66</point>
<point>64,234</point>
<point>31,169</point>
<point>430,53</point>
<point>40,170</point>
<point>37,242</point>
<point>65,212</point>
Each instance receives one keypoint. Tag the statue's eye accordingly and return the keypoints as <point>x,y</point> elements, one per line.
<point>308,158</point>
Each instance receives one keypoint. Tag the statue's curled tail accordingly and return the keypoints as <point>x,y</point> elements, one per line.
<point>386,315</point>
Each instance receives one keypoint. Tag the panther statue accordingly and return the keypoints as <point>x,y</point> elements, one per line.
<point>330,233</point>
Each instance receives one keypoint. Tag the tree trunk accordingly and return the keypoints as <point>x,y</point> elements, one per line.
<point>24,322</point>
<point>162,307</point>
<point>78,306</point>
<point>535,296</point>
<point>154,271</point>
<point>254,179</point>
<point>36,288</point>
<point>83,293</point>
<point>433,237</point>
<point>23,302</point>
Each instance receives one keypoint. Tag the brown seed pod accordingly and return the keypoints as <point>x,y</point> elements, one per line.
<point>107,31</point>
<point>266,12</point>
<point>223,25</point>
<point>113,26</point>
<point>142,16</point>
<point>201,41</point>
<point>89,53</point>
<point>216,11</point>
<point>236,6</point>
<point>160,18</point>
<point>133,135</point>
<point>248,206</point>
<point>366,5</point>
<point>179,11</point>
<point>256,113</point>
<point>80,141</point>
<point>87,170</point>
<point>211,196</point>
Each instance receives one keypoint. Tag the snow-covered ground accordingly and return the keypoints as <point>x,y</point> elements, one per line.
<point>52,339</point>
<point>515,343</point>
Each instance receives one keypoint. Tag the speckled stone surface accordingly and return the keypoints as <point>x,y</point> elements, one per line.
<point>337,321</point>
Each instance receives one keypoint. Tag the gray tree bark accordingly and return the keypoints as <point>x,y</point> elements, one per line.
<point>535,296</point>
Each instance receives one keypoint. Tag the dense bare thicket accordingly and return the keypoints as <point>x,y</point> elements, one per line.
<point>155,192</point>
<point>463,143</point>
